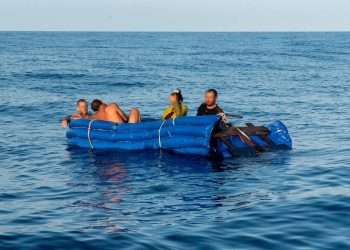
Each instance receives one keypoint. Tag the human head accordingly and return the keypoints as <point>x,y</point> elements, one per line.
<point>210,97</point>
<point>96,104</point>
<point>176,97</point>
<point>82,107</point>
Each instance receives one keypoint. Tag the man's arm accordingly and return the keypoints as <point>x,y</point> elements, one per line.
<point>168,113</point>
<point>65,121</point>
<point>199,110</point>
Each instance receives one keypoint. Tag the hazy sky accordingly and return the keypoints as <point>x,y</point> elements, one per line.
<point>175,15</point>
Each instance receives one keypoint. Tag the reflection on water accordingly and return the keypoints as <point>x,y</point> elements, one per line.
<point>168,183</point>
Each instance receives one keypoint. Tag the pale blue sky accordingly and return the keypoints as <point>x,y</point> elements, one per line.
<point>175,15</point>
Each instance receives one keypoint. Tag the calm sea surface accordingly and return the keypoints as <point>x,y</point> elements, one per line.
<point>53,198</point>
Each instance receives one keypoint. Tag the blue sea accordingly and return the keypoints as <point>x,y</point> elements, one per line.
<point>55,198</point>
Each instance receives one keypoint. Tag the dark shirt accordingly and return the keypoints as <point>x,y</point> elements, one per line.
<point>203,110</point>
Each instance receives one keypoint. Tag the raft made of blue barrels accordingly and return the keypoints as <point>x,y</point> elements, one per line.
<point>197,135</point>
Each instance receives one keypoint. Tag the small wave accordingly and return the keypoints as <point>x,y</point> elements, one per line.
<point>116,83</point>
<point>50,75</point>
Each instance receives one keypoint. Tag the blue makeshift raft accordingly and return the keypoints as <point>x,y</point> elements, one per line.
<point>185,135</point>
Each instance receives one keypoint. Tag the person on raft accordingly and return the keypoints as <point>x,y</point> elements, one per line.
<point>209,106</point>
<point>81,113</point>
<point>176,108</point>
<point>113,113</point>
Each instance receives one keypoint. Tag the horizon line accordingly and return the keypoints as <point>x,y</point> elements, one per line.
<point>181,31</point>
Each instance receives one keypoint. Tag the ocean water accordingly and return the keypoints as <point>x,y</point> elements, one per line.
<point>54,198</point>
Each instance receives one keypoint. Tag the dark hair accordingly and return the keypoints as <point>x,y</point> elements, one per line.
<point>81,100</point>
<point>178,95</point>
<point>95,105</point>
<point>214,91</point>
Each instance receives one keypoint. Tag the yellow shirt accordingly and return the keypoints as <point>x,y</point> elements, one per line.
<point>173,112</point>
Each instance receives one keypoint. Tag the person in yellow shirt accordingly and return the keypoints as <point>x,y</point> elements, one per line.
<point>176,108</point>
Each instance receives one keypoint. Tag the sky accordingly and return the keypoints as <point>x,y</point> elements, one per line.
<point>175,15</point>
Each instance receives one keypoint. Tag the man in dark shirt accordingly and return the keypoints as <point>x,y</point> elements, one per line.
<point>210,106</point>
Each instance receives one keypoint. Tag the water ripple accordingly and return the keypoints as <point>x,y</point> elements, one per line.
<point>52,197</point>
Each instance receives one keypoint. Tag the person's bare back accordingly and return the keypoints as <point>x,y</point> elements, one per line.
<point>113,113</point>
<point>99,115</point>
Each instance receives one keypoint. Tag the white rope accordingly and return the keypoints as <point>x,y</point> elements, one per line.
<point>244,134</point>
<point>89,132</point>
<point>159,131</point>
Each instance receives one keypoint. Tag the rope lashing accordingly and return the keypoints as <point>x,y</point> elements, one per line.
<point>159,134</point>
<point>89,134</point>
<point>244,134</point>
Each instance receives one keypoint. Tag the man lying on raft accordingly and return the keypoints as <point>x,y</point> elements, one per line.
<point>81,113</point>
<point>113,113</point>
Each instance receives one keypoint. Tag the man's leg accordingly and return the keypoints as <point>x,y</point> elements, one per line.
<point>113,114</point>
<point>120,112</point>
<point>134,116</point>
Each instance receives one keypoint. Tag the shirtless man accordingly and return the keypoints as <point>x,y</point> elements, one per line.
<point>112,112</point>
<point>81,113</point>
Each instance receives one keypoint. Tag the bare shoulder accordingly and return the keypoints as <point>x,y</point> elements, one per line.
<point>95,116</point>
<point>76,116</point>
<point>112,105</point>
